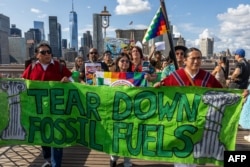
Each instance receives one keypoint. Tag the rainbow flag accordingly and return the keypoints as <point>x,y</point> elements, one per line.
<point>121,79</point>
<point>157,26</point>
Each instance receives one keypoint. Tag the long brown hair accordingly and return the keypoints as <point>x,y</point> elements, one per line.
<point>117,69</point>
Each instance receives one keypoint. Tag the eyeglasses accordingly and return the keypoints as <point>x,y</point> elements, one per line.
<point>93,53</point>
<point>122,61</point>
<point>43,52</point>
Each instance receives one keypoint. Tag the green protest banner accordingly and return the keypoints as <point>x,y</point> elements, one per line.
<point>173,124</point>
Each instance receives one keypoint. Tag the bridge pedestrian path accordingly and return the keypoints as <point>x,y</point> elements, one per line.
<point>79,156</point>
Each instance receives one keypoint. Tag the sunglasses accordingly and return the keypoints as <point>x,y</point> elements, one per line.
<point>43,52</point>
<point>122,61</point>
<point>93,53</point>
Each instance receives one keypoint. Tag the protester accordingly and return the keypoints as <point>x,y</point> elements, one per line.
<point>155,59</point>
<point>190,75</point>
<point>107,59</point>
<point>63,62</point>
<point>78,63</point>
<point>47,69</point>
<point>122,64</point>
<point>239,78</point>
<point>168,69</point>
<point>93,58</point>
<point>76,70</point>
<point>221,70</point>
<point>137,64</point>
<point>179,54</point>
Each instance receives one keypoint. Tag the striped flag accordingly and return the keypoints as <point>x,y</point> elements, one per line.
<point>121,79</point>
<point>157,26</point>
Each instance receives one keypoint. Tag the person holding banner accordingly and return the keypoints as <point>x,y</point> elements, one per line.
<point>190,75</point>
<point>122,64</point>
<point>138,65</point>
<point>92,65</point>
<point>47,69</point>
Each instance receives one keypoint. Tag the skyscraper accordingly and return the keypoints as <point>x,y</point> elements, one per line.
<point>207,47</point>
<point>87,40</point>
<point>55,36</point>
<point>15,32</point>
<point>4,33</point>
<point>33,34</point>
<point>97,32</point>
<point>40,25</point>
<point>73,29</point>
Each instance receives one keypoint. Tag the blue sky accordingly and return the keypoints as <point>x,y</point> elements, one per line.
<point>227,21</point>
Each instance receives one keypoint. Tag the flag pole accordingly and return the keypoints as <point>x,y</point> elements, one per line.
<point>172,53</point>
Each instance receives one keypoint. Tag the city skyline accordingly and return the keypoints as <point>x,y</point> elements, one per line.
<point>227,22</point>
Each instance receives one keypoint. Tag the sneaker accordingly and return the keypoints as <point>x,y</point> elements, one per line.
<point>247,138</point>
<point>46,164</point>
<point>112,163</point>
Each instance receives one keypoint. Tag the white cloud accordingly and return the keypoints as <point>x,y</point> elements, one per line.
<point>126,7</point>
<point>176,31</point>
<point>205,34</point>
<point>235,28</point>
<point>233,32</point>
<point>34,10</point>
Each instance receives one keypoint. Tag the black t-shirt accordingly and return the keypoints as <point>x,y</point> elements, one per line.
<point>243,78</point>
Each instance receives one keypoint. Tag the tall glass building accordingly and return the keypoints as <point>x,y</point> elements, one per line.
<point>40,25</point>
<point>4,34</point>
<point>73,29</point>
<point>55,36</point>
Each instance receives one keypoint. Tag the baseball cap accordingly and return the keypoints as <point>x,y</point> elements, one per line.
<point>240,52</point>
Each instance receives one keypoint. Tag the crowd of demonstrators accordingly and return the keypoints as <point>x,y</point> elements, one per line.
<point>132,60</point>
<point>240,77</point>
<point>221,70</point>
<point>46,69</point>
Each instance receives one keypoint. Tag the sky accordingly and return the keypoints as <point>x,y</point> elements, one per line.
<point>227,21</point>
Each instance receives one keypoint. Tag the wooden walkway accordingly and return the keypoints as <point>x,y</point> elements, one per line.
<point>78,156</point>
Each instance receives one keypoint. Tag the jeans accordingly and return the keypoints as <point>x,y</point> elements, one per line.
<point>53,154</point>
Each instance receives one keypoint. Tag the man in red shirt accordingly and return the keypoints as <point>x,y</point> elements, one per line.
<point>47,69</point>
<point>191,74</point>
